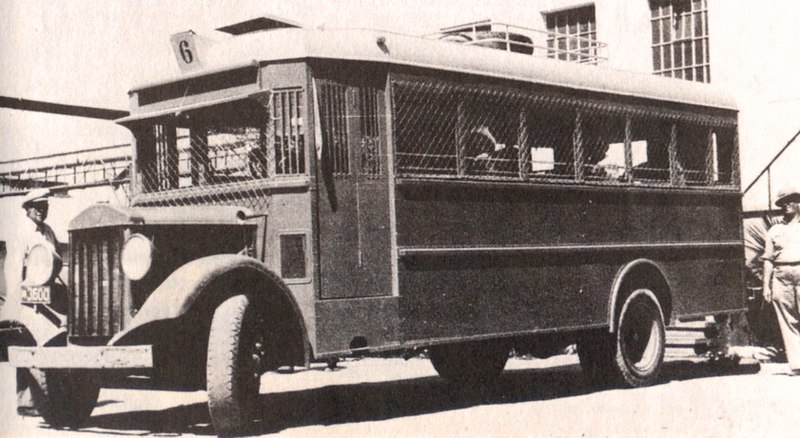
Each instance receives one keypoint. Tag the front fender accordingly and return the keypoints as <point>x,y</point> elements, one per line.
<point>176,295</point>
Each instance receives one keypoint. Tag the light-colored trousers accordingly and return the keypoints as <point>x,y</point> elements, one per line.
<point>786,299</point>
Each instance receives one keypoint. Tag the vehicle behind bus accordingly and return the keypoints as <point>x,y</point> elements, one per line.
<point>405,195</point>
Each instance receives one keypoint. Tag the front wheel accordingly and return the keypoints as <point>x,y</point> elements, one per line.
<point>233,367</point>
<point>64,398</point>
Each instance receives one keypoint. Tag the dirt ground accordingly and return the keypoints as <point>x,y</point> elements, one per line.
<point>392,397</point>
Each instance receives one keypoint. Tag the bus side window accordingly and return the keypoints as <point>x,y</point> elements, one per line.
<point>491,135</point>
<point>425,120</point>
<point>550,130</point>
<point>725,158</point>
<point>694,154</point>
<point>650,159</point>
<point>604,147</point>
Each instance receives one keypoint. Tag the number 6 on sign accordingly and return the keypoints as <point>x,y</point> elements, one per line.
<point>185,47</point>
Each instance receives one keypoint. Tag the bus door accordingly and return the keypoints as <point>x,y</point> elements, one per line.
<point>354,232</point>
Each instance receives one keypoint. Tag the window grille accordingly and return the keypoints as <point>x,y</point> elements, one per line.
<point>572,35</point>
<point>680,39</point>
<point>288,125</point>
<point>370,131</point>
<point>333,125</point>
<point>464,131</point>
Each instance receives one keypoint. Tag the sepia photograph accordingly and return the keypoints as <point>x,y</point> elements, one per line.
<point>376,218</point>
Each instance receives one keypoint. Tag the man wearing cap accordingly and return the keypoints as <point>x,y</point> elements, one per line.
<point>782,272</point>
<point>32,231</point>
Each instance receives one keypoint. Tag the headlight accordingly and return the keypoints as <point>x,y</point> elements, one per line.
<point>41,265</point>
<point>137,257</point>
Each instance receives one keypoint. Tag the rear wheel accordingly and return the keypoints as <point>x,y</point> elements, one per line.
<point>64,398</point>
<point>472,363</point>
<point>641,339</point>
<point>634,354</point>
<point>233,367</point>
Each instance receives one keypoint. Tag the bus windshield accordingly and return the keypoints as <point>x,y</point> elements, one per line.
<point>243,141</point>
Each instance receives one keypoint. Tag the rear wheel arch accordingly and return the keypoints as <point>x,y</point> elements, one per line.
<point>638,274</point>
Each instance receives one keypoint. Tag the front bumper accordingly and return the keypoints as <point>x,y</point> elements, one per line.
<point>106,357</point>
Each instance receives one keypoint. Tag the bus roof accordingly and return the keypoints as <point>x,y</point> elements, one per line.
<point>392,48</point>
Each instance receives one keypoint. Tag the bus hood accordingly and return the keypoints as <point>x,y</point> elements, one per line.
<point>106,215</point>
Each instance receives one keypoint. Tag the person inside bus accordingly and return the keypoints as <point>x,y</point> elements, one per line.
<point>488,155</point>
<point>782,272</point>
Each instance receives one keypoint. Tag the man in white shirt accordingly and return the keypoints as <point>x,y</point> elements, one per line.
<point>782,273</point>
<point>31,232</point>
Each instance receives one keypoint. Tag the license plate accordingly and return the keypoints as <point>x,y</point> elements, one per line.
<point>36,294</point>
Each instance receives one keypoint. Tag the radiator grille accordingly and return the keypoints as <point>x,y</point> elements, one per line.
<point>98,303</point>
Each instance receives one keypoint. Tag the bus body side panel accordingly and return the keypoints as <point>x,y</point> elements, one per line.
<point>492,258</point>
<point>355,307</point>
<point>346,326</point>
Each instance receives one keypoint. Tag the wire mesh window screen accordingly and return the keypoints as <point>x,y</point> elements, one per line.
<point>603,147</point>
<point>488,124</point>
<point>237,142</point>
<point>650,158</point>
<point>333,125</point>
<point>456,130</point>
<point>694,160</point>
<point>550,133</point>
<point>463,131</point>
<point>424,118</point>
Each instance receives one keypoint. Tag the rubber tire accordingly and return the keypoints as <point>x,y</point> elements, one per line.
<point>474,363</point>
<point>232,372</point>
<point>640,339</point>
<point>632,356</point>
<point>64,398</point>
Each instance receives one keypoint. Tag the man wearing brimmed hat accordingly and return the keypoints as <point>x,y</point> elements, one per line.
<point>782,272</point>
<point>32,231</point>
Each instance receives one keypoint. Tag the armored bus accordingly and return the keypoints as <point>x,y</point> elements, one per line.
<point>304,194</point>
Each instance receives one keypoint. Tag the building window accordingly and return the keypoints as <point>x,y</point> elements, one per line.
<point>680,39</point>
<point>573,35</point>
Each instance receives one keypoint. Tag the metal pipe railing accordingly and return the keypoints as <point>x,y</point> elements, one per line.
<point>767,168</point>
